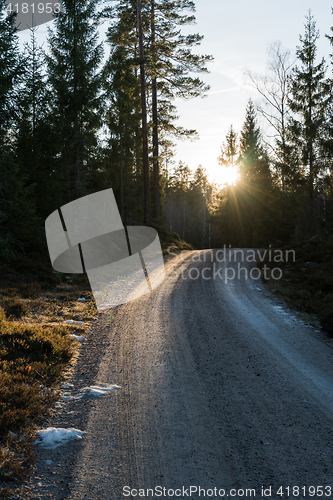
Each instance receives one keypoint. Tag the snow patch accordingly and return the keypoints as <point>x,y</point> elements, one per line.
<point>72,322</point>
<point>67,396</point>
<point>77,337</point>
<point>53,437</point>
<point>99,390</point>
<point>280,310</point>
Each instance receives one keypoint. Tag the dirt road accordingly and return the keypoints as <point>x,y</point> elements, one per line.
<point>221,388</point>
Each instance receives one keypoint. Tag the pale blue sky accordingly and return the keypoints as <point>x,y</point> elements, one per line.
<point>238,34</point>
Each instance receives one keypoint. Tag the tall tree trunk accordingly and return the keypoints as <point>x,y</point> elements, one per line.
<point>33,30</point>
<point>122,206</point>
<point>311,224</point>
<point>146,182</point>
<point>156,169</point>
<point>77,131</point>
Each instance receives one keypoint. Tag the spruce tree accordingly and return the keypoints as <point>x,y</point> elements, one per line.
<point>251,153</point>
<point>229,149</point>
<point>309,98</point>
<point>177,208</point>
<point>75,85</point>
<point>17,215</point>
<point>34,140</point>
<point>327,139</point>
<point>200,192</point>
<point>228,158</point>
<point>11,70</point>
<point>252,194</point>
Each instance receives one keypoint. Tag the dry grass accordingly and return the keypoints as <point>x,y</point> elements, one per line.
<point>32,360</point>
<point>15,307</point>
<point>35,349</point>
<point>47,305</point>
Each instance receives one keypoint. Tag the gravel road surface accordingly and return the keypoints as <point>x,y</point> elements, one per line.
<point>221,388</point>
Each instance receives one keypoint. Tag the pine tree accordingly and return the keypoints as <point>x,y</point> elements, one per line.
<point>123,152</point>
<point>126,67</point>
<point>168,62</point>
<point>75,85</point>
<point>146,174</point>
<point>123,113</point>
<point>170,66</point>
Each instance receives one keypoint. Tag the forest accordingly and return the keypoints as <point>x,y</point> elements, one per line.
<point>79,115</point>
<point>75,122</point>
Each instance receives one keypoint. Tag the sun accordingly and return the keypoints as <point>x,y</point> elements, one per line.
<point>230,175</point>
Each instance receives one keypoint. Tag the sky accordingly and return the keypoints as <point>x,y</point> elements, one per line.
<point>237,33</point>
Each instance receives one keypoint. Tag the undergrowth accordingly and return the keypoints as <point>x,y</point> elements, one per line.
<point>307,281</point>
<point>32,360</point>
<point>169,239</point>
<point>35,349</point>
